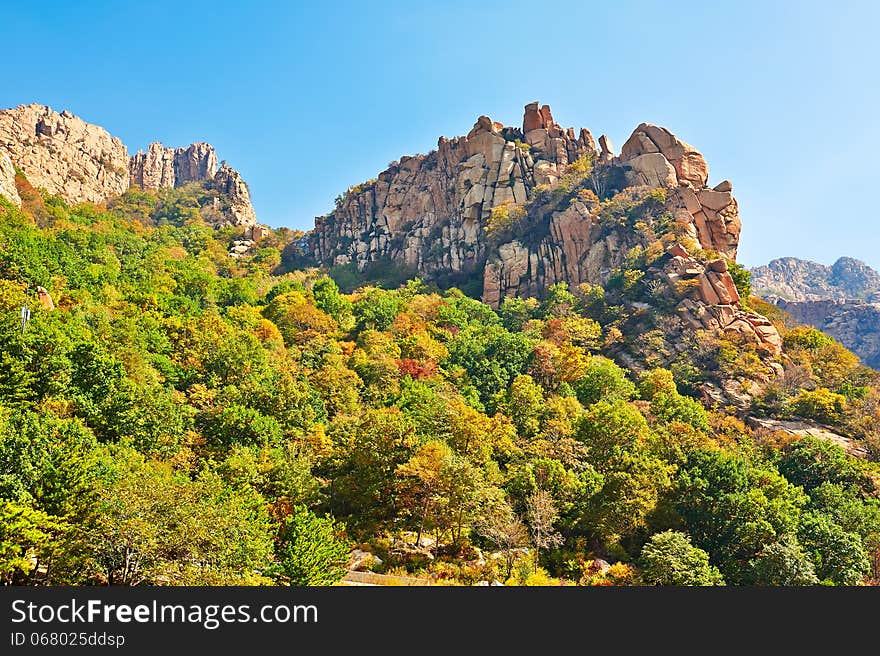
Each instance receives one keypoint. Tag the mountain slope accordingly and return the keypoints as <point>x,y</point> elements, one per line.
<point>508,212</point>
<point>173,415</point>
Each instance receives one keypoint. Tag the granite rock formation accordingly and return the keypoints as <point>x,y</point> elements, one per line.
<point>82,162</point>
<point>63,154</point>
<point>793,279</point>
<point>172,167</point>
<point>434,216</point>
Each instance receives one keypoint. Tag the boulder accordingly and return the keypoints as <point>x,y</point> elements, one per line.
<point>690,166</point>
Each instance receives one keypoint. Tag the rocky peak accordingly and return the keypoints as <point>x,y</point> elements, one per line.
<point>429,212</point>
<point>82,162</point>
<point>648,143</point>
<point>63,154</point>
<point>842,300</point>
<point>503,206</point>
<point>229,182</point>
<point>172,167</point>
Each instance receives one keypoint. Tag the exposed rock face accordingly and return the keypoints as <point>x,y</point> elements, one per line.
<point>228,181</point>
<point>82,162</point>
<point>427,212</point>
<point>63,154</point>
<point>690,166</point>
<point>7,180</point>
<point>792,279</point>
<point>803,428</point>
<point>842,300</point>
<point>172,167</point>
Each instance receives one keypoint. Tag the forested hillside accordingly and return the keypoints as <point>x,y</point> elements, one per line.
<point>172,415</point>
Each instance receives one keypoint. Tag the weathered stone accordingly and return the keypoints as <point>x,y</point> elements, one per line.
<point>532,119</point>
<point>714,200</point>
<point>707,291</point>
<point>63,154</point>
<point>652,169</point>
<point>724,185</point>
<point>7,180</point>
<point>229,182</point>
<point>689,164</point>
<point>607,153</point>
<point>172,167</point>
<point>45,298</point>
<point>83,163</point>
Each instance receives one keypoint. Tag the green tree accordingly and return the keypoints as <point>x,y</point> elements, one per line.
<point>603,380</point>
<point>617,440</point>
<point>669,558</point>
<point>310,551</point>
<point>732,508</point>
<point>783,563</point>
<point>838,556</point>
<point>25,535</point>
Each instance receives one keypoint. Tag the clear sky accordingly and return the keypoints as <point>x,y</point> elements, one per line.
<point>306,99</point>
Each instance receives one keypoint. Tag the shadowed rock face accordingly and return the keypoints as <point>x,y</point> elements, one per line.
<point>82,162</point>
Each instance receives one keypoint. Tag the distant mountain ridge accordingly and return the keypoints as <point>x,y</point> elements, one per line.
<point>842,300</point>
<point>793,279</point>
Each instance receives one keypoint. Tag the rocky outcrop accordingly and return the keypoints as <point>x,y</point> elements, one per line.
<point>229,182</point>
<point>689,165</point>
<point>433,214</point>
<point>63,154</point>
<point>7,180</point>
<point>82,162</point>
<point>793,279</point>
<point>427,212</point>
<point>172,167</point>
<point>804,429</point>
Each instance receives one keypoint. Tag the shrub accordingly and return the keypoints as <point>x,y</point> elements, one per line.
<point>821,404</point>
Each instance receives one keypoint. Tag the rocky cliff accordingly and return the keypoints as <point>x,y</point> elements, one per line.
<point>82,162</point>
<point>842,300</point>
<point>521,208</point>
<point>7,180</point>
<point>172,167</point>
<point>63,154</point>
<point>429,212</point>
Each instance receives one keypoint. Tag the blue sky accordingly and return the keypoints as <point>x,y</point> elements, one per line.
<point>306,99</point>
